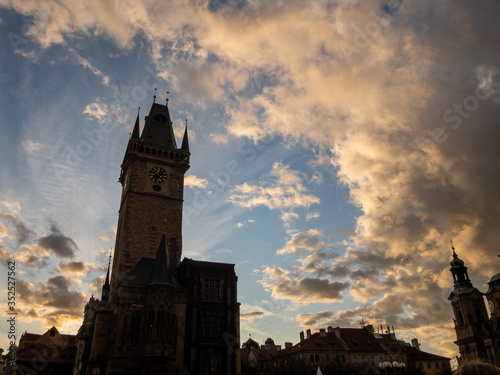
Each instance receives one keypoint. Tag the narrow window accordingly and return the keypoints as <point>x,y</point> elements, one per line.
<point>211,290</point>
<point>135,331</point>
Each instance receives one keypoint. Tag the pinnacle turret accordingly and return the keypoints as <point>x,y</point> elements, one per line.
<point>185,141</point>
<point>106,286</point>
<point>135,132</point>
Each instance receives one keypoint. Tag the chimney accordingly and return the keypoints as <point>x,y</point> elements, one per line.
<point>337,332</point>
<point>308,333</point>
<point>301,336</point>
<point>322,332</point>
<point>330,329</point>
<point>415,344</point>
<point>370,328</point>
<point>288,345</point>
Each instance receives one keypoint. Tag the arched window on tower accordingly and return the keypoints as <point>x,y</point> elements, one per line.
<point>172,333</point>
<point>160,322</point>
<point>460,318</point>
<point>160,118</point>
<point>151,321</point>
<point>135,330</point>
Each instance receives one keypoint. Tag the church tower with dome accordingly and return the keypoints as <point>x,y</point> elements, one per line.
<point>478,335</point>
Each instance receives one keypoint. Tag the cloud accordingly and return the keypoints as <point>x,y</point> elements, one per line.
<point>30,146</point>
<point>312,215</point>
<point>54,300</point>
<point>24,251</point>
<point>22,232</point>
<point>284,284</point>
<point>87,65</point>
<point>96,110</point>
<point>109,235</point>
<point>302,242</point>
<point>192,181</point>
<point>312,278</point>
<point>75,268</point>
<point>310,319</point>
<point>408,130</point>
<point>58,243</point>
<point>252,315</point>
<point>285,192</point>
<point>32,256</point>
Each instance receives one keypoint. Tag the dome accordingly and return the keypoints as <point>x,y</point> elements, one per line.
<point>456,262</point>
<point>495,278</point>
<point>269,342</point>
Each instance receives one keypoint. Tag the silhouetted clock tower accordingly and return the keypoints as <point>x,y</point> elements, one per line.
<point>158,315</point>
<point>152,177</point>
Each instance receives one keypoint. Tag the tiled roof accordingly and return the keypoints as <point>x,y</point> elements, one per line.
<point>358,339</point>
<point>418,355</point>
<point>316,342</point>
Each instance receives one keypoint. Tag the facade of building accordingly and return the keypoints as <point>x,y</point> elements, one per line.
<point>344,350</point>
<point>158,315</point>
<point>478,335</point>
<point>49,353</point>
<point>428,363</point>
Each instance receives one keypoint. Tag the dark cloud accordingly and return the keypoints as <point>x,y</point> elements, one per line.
<point>32,260</point>
<point>53,293</point>
<point>5,257</point>
<point>310,319</point>
<point>57,243</point>
<point>321,289</point>
<point>22,232</point>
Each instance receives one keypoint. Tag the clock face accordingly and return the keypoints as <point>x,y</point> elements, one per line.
<point>158,175</point>
<point>492,306</point>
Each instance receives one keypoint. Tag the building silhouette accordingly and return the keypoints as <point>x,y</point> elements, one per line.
<point>158,315</point>
<point>342,351</point>
<point>478,335</point>
<point>50,353</point>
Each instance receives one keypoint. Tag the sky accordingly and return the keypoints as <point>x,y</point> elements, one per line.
<point>336,149</point>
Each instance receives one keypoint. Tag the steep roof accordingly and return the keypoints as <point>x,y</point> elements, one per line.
<point>153,271</point>
<point>358,339</point>
<point>185,141</point>
<point>418,355</point>
<point>317,342</point>
<point>158,127</point>
<point>135,132</point>
<point>160,274</point>
<point>51,336</point>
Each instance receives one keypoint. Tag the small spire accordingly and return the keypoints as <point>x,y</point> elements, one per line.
<point>135,132</point>
<point>453,249</point>
<point>165,227</point>
<point>185,141</point>
<point>105,287</point>
<point>167,98</point>
<point>154,96</point>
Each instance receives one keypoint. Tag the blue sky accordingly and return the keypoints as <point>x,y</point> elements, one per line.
<point>336,148</point>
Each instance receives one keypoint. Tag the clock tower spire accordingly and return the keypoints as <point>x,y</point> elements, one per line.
<point>152,176</point>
